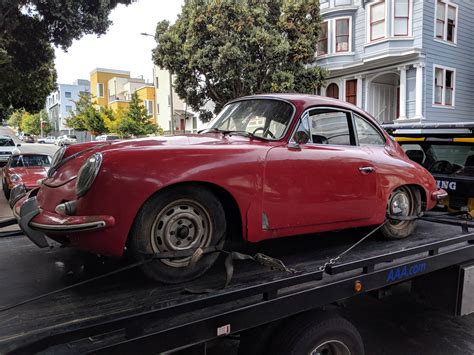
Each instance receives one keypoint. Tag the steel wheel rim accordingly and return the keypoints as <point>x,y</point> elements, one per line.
<point>331,347</point>
<point>400,204</point>
<point>181,225</point>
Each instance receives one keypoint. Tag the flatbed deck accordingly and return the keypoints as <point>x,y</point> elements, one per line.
<point>126,310</point>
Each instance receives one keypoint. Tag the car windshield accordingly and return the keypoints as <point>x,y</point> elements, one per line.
<point>264,118</point>
<point>442,158</point>
<point>22,161</point>
<point>72,137</point>
<point>6,142</point>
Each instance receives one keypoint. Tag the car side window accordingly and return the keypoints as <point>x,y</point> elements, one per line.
<point>330,127</point>
<point>366,133</point>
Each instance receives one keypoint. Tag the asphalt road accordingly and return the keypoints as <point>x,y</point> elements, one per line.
<point>399,324</point>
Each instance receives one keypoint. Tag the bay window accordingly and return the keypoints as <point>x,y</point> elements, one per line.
<point>443,86</point>
<point>401,18</point>
<point>446,21</point>
<point>377,21</point>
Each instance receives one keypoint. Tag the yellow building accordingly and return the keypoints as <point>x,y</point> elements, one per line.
<point>99,83</point>
<point>114,88</point>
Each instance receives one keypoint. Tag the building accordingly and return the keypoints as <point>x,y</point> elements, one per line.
<point>61,103</point>
<point>404,60</point>
<point>185,120</point>
<point>114,88</point>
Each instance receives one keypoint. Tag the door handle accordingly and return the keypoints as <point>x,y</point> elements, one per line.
<point>367,169</point>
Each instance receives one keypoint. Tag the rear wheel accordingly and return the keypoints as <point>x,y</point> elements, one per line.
<point>185,218</point>
<point>404,202</point>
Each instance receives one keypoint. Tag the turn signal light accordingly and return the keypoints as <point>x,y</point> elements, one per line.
<point>357,286</point>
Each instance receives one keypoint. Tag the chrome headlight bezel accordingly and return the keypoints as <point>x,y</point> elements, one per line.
<point>87,174</point>
<point>57,158</point>
<point>15,178</point>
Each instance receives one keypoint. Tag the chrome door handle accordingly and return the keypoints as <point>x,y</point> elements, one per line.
<point>367,169</point>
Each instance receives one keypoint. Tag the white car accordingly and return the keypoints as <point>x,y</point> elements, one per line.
<point>7,147</point>
<point>66,139</point>
<point>107,137</point>
<point>47,140</point>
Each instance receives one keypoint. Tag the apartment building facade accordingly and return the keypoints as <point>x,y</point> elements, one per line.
<point>185,120</point>
<point>61,103</point>
<point>400,60</point>
<point>114,88</point>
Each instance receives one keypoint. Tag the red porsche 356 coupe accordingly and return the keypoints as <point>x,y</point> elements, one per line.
<point>25,169</point>
<point>268,166</point>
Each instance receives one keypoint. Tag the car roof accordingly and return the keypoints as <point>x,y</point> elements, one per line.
<point>5,137</point>
<point>306,101</point>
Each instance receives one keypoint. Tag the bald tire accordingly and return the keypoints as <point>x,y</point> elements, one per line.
<point>140,237</point>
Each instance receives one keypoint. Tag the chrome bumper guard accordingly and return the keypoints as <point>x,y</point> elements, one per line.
<point>16,193</point>
<point>28,211</point>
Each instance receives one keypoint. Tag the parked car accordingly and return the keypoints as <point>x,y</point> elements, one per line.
<point>269,166</point>
<point>47,140</point>
<point>447,152</point>
<point>25,169</point>
<point>7,147</point>
<point>107,137</point>
<point>66,139</point>
<point>28,138</point>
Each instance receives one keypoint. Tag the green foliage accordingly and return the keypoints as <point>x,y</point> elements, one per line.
<point>135,121</point>
<point>15,119</point>
<point>29,122</point>
<point>87,117</point>
<point>28,29</point>
<point>220,50</point>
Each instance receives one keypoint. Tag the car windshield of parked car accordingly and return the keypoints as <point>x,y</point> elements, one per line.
<point>6,142</point>
<point>25,161</point>
<point>440,158</point>
<point>260,117</point>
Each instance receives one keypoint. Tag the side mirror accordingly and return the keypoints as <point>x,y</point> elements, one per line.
<point>18,145</point>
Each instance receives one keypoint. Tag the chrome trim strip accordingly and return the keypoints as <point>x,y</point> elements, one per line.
<point>68,227</point>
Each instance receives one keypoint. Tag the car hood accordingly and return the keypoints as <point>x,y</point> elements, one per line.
<point>30,176</point>
<point>209,141</point>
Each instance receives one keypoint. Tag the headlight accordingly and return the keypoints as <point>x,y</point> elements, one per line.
<point>15,178</point>
<point>87,174</point>
<point>58,156</point>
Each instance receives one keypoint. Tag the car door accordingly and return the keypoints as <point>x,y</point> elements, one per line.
<point>324,179</point>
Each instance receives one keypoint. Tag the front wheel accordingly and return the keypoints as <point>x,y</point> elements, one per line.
<point>405,202</point>
<point>180,219</point>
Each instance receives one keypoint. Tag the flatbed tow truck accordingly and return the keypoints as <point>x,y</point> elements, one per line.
<point>122,312</point>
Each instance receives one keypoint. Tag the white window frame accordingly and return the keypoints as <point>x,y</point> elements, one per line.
<point>368,18</point>
<point>445,29</point>
<point>443,93</point>
<point>332,37</point>
<point>327,39</point>
<point>410,20</point>
<point>98,90</point>
<point>149,104</point>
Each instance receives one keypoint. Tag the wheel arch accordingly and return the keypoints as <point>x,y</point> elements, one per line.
<point>233,215</point>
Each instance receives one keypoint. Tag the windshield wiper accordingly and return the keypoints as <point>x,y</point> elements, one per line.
<point>245,134</point>
<point>214,129</point>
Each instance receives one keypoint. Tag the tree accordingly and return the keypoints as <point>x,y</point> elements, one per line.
<point>87,117</point>
<point>15,118</point>
<point>31,123</point>
<point>220,50</point>
<point>28,30</point>
<point>136,121</point>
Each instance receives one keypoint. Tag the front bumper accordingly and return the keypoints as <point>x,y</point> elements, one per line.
<point>37,224</point>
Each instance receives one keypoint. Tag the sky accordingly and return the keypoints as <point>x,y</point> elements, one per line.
<point>122,47</point>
